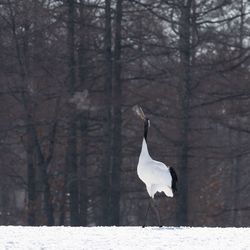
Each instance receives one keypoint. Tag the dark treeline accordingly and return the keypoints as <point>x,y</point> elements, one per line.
<point>70,73</point>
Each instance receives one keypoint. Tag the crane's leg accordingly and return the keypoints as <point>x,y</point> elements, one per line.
<point>146,216</point>
<point>156,209</point>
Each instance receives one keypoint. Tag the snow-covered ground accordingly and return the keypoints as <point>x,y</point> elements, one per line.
<point>134,238</point>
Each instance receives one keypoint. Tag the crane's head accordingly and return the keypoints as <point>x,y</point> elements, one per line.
<point>138,111</point>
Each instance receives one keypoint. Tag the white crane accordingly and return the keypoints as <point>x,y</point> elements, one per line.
<point>156,175</point>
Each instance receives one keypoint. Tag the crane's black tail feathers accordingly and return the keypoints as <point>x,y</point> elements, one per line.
<point>174,179</point>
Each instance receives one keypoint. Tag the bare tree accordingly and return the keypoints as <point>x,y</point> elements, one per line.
<point>117,122</point>
<point>185,94</point>
<point>71,156</point>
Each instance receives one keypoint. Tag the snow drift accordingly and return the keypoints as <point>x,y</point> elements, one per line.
<point>134,238</point>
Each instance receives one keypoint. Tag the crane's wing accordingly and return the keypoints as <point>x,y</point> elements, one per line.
<point>160,165</point>
<point>159,173</point>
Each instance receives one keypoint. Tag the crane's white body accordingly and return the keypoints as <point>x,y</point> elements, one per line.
<point>156,175</point>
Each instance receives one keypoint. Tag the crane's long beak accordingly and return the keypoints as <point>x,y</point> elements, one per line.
<point>138,110</point>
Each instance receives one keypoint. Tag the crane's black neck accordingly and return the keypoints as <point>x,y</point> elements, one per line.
<point>146,125</point>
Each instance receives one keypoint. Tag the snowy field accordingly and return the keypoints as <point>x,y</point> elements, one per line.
<point>132,238</point>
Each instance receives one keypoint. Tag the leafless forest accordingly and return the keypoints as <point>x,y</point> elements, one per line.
<point>70,73</point>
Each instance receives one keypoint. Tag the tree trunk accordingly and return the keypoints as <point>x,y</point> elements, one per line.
<point>71,158</point>
<point>43,164</point>
<point>49,209</point>
<point>236,174</point>
<point>117,116</point>
<point>184,93</point>
<point>83,171</point>
<point>107,118</point>
<point>83,192</point>
<point>31,179</point>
